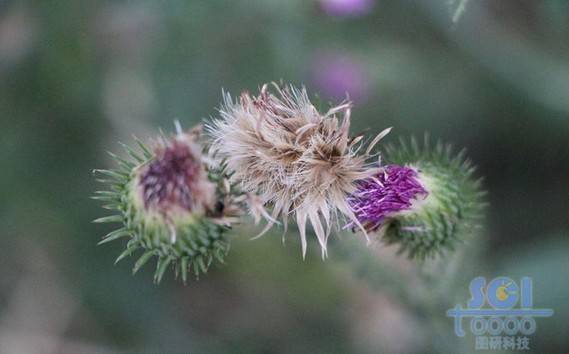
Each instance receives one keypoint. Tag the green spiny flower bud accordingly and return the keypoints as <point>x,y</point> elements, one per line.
<point>424,199</point>
<point>175,205</point>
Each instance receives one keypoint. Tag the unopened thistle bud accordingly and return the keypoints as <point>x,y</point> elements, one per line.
<point>425,199</point>
<point>301,163</point>
<point>173,204</point>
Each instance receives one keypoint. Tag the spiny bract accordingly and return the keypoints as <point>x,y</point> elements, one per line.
<point>300,162</point>
<point>174,203</point>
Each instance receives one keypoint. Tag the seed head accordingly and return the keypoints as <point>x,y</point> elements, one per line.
<point>301,163</point>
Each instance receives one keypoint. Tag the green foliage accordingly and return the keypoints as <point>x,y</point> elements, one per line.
<point>453,208</point>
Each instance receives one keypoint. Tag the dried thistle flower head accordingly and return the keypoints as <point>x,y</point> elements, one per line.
<point>173,203</point>
<point>425,201</point>
<point>301,163</point>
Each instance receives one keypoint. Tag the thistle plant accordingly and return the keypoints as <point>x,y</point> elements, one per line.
<point>174,202</point>
<point>277,156</point>
<point>301,163</point>
<point>425,199</point>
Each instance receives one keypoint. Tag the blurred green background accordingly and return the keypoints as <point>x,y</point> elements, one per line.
<point>77,76</point>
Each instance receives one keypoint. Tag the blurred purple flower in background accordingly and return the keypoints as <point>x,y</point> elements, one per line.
<point>343,8</point>
<point>338,75</point>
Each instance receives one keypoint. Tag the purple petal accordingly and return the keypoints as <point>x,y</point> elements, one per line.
<point>373,202</point>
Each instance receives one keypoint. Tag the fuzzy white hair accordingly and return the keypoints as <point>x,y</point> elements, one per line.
<point>299,162</point>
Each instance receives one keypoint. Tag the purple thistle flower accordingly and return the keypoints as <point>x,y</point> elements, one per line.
<point>174,202</point>
<point>167,179</point>
<point>392,191</point>
<point>175,179</point>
